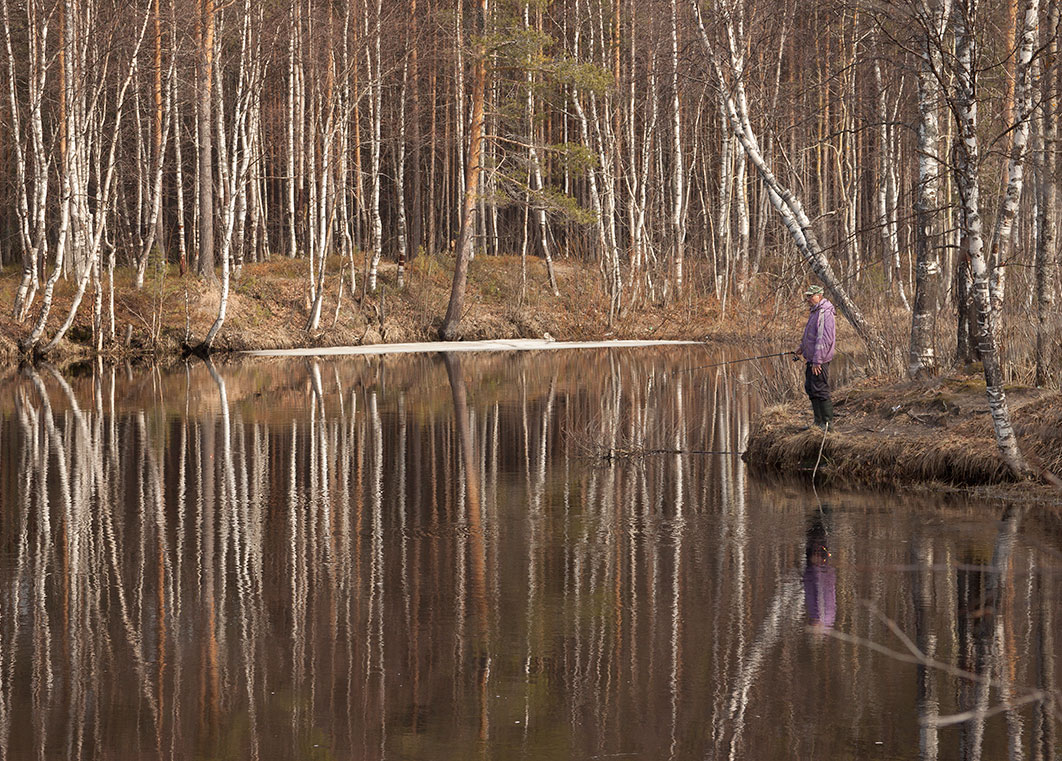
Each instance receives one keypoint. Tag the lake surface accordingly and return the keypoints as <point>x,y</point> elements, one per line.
<point>545,556</point>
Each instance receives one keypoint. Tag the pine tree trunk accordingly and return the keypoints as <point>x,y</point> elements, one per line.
<point>1047,191</point>
<point>204,113</point>
<point>455,309</point>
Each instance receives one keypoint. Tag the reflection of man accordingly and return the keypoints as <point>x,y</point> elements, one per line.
<point>820,578</point>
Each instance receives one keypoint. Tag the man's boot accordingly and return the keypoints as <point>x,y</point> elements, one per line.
<point>816,407</point>
<point>826,411</point>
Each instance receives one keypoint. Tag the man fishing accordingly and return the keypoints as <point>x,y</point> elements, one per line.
<point>816,349</point>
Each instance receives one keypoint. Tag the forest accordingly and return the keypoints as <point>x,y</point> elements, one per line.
<point>908,149</point>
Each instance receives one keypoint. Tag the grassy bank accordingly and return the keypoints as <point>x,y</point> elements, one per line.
<point>268,308</point>
<point>936,432</point>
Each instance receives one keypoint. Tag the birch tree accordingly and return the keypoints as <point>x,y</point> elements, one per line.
<point>374,58</point>
<point>30,157</point>
<point>678,228</point>
<point>887,188</point>
<point>237,156</point>
<point>964,105</point>
<point>728,70</point>
<point>933,17</point>
<point>86,129</point>
<point>1002,240</point>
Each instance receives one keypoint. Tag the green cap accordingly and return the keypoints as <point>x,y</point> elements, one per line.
<point>812,290</point>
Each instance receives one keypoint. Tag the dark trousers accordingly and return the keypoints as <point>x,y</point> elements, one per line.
<point>817,386</point>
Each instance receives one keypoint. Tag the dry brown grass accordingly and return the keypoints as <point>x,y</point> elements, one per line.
<point>911,432</point>
<point>268,308</point>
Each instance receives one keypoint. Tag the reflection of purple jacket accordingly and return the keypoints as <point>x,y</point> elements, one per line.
<point>820,594</point>
<point>817,344</point>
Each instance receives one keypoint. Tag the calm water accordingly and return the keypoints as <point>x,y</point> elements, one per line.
<point>552,556</point>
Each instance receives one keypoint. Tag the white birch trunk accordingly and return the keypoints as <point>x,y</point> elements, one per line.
<point>400,178</point>
<point>602,193</point>
<point>375,117</point>
<point>678,229</point>
<point>536,171</point>
<point>1002,238</point>
<point>785,203</point>
<point>95,221</point>
<point>293,38</point>
<point>31,244</point>
<point>933,18</point>
<point>887,192</point>
<point>324,212</point>
<point>967,164</point>
<point>155,194</point>
<point>248,88</point>
<point>741,205</point>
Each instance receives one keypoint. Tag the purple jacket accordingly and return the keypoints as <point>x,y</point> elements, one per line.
<point>818,343</point>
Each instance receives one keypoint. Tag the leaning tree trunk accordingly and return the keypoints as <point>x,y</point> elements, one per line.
<point>967,159</point>
<point>784,201</point>
<point>454,310</point>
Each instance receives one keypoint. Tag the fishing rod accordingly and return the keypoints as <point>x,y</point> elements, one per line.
<point>747,359</point>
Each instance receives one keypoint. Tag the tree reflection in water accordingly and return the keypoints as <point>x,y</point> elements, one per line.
<point>422,557</point>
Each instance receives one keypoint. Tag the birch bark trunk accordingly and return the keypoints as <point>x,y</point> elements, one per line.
<point>160,133</point>
<point>293,37</point>
<point>84,141</point>
<point>536,169</point>
<point>886,196</point>
<point>678,229</point>
<point>400,178</point>
<point>921,357</point>
<point>30,222</point>
<point>1002,238</point>
<point>375,117</point>
<point>966,166</point>
<point>248,89</point>
<point>784,201</point>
